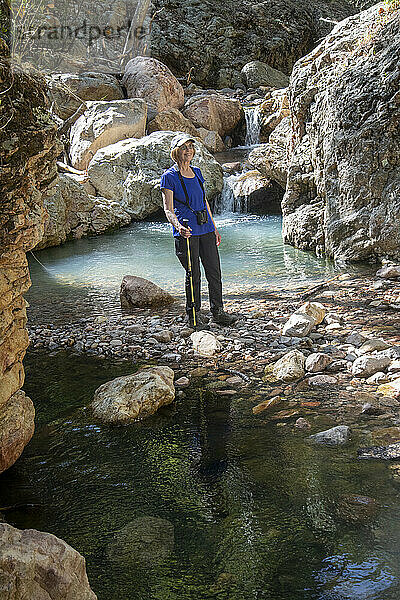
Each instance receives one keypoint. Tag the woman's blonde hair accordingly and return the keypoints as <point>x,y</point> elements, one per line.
<point>175,153</point>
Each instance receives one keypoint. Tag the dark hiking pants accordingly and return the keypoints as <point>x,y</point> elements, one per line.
<point>202,247</point>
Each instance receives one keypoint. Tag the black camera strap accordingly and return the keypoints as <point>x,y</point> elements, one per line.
<point>186,193</point>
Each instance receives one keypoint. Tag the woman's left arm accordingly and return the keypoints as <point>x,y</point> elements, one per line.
<point>217,233</point>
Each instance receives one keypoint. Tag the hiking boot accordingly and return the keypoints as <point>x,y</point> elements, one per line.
<point>201,322</point>
<point>223,318</point>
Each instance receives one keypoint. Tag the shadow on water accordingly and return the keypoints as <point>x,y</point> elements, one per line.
<point>255,511</point>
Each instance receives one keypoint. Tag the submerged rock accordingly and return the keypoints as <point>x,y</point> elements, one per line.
<point>390,452</point>
<point>139,292</point>
<point>142,543</point>
<point>40,566</point>
<point>335,436</point>
<point>125,399</point>
<point>356,509</point>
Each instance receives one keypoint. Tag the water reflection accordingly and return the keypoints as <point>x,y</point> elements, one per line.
<point>256,512</point>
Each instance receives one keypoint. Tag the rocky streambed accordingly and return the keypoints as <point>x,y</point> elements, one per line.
<point>290,367</point>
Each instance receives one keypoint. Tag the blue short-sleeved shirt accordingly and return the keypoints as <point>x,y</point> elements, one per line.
<point>170,181</point>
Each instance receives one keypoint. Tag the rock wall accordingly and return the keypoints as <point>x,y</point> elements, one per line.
<point>342,194</point>
<point>215,39</point>
<point>28,151</point>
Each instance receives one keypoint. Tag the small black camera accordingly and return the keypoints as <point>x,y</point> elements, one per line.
<point>201,216</point>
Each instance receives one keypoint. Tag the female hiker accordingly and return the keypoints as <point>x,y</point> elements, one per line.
<point>184,198</point>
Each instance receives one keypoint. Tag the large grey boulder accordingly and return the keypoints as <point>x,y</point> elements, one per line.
<point>140,293</point>
<point>344,172</point>
<point>214,112</point>
<point>105,123</point>
<point>69,90</point>
<point>129,172</point>
<point>40,566</point>
<point>144,542</point>
<point>256,73</point>
<point>73,213</point>
<point>151,80</point>
<point>171,119</point>
<point>126,399</point>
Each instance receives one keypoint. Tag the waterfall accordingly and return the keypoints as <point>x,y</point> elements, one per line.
<point>253,125</point>
<point>227,202</point>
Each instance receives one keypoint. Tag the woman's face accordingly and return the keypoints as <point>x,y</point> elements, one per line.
<point>186,152</point>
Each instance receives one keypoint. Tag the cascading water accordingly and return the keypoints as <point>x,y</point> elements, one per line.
<point>253,125</point>
<point>228,202</point>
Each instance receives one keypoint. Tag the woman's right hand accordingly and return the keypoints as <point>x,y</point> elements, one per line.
<point>184,232</point>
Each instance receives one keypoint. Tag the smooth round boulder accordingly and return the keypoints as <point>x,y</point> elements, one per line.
<point>127,399</point>
<point>105,123</point>
<point>214,113</point>
<point>151,80</point>
<point>137,292</point>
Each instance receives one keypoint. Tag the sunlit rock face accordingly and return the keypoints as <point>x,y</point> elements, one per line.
<point>343,178</point>
<point>28,151</point>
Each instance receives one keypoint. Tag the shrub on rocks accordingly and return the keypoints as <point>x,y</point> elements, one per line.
<point>126,399</point>
<point>144,542</point>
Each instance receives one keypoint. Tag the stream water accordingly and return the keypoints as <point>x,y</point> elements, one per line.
<point>230,506</point>
<point>83,277</point>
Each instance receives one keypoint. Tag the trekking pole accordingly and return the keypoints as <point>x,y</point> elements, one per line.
<point>185,223</point>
